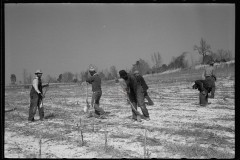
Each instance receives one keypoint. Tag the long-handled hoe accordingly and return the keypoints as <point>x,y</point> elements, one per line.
<point>41,105</point>
<point>86,108</point>
<point>127,97</point>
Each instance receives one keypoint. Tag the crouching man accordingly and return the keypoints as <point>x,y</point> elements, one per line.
<point>204,87</point>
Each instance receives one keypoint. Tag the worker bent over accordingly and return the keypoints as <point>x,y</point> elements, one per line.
<point>204,87</point>
<point>136,95</point>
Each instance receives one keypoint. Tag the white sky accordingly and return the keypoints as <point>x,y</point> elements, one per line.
<point>68,37</point>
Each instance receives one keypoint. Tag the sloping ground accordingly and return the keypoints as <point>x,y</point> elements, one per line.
<point>179,127</point>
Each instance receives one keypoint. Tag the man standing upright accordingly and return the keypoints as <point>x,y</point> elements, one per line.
<point>141,80</point>
<point>95,80</point>
<point>210,76</point>
<point>36,97</point>
<point>135,94</point>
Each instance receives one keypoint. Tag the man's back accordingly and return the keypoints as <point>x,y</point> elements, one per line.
<point>141,80</point>
<point>95,80</point>
<point>209,71</point>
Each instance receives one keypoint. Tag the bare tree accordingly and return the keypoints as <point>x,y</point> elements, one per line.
<point>30,78</point>
<point>49,78</point>
<point>76,76</point>
<point>157,59</point>
<point>113,71</point>
<point>214,56</point>
<point>203,49</point>
<point>13,78</point>
<point>24,76</point>
<point>67,77</point>
<point>142,66</point>
<point>229,54</point>
<point>192,60</point>
<point>59,78</point>
<point>221,54</point>
<point>107,74</point>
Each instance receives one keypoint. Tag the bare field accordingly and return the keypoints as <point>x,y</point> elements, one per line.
<point>179,127</point>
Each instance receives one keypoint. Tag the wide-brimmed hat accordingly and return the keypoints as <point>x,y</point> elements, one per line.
<point>136,72</point>
<point>91,69</point>
<point>38,71</point>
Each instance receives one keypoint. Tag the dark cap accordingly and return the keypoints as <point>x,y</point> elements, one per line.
<point>211,63</point>
<point>122,73</point>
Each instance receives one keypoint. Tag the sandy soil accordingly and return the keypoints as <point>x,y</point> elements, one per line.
<point>179,127</point>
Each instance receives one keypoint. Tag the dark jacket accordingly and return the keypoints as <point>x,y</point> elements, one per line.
<point>95,80</point>
<point>203,85</point>
<point>132,84</point>
<point>141,80</point>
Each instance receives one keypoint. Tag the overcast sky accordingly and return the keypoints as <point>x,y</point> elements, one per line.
<point>69,37</point>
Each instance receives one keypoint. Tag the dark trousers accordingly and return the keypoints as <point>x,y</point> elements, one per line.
<point>138,100</point>
<point>203,99</point>
<point>212,80</point>
<point>35,101</point>
<point>96,102</point>
<point>150,102</point>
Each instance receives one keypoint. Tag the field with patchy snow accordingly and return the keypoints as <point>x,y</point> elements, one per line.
<point>179,127</point>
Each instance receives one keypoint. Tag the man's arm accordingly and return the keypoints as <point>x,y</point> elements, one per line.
<point>90,80</point>
<point>144,84</point>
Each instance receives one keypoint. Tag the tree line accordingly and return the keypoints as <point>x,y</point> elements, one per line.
<point>204,49</point>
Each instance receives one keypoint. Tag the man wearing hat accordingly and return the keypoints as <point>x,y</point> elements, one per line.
<point>36,96</point>
<point>95,80</point>
<point>135,94</point>
<point>210,76</point>
<point>141,80</point>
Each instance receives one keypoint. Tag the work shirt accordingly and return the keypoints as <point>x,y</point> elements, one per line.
<point>95,80</point>
<point>132,84</point>
<point>37,85</point>
<point>141,80</point>
<point>209,71</point>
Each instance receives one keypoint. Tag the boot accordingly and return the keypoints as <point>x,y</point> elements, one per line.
<point>102,117</point>
<point>203,99</point>
<point>41,113</point>
<point>147,119</point>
